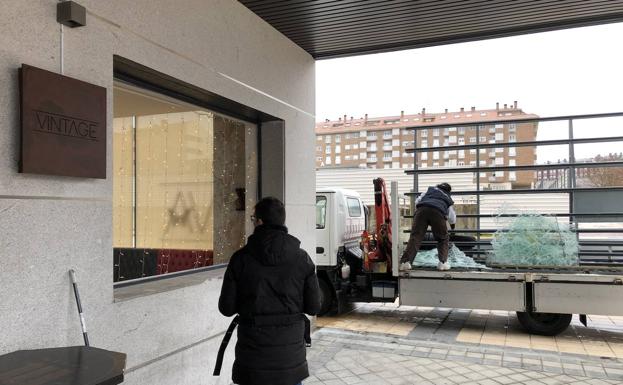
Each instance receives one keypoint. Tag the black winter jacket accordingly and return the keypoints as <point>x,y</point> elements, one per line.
<point>270,276</point>
<point>436,199</point>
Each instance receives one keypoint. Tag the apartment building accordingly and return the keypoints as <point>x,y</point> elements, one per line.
<point>384,142</point>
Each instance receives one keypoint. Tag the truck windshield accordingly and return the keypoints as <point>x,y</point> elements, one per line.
<point>321,211</point>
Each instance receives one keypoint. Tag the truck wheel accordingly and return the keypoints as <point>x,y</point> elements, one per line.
<point>545,324</point>
<point>326,297</point>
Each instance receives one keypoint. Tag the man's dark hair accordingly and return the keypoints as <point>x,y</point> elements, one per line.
<point>271,211</point>
<point>445,187</point>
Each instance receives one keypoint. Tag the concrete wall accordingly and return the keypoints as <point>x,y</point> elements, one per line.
<point>51,224</point>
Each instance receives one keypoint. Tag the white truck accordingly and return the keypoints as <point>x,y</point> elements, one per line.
<point>543,299</point>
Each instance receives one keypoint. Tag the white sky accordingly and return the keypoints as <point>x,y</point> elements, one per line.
<point>567,72</point>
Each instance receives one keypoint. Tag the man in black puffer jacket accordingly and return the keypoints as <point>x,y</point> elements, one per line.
<point>270,283</point>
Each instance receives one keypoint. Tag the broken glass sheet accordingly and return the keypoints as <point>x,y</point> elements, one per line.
<point>457,259</point>
<point>534,240</point>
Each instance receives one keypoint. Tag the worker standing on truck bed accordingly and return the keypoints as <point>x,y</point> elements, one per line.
<point>433,208</point>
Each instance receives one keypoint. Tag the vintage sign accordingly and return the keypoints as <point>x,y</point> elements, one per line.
<point>63,125</point>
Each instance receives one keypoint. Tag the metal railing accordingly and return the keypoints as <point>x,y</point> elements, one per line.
<point>613,251</point>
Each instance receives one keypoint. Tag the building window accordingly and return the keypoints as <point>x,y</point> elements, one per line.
<point>387,134</point>
<point>172,181</point>
<point>354,135</point>
<point>511,151</point>
<point>512,138</point>
<point>499,161</point>
<point>327,139</point>
<point>424,156</point>
<point>387,155</point>
<point>327,150</point>
<point>461,130</point>
<point>512,176</point>
<point>347,157</point>
<point>461,153</point>
<point>472,151</point>
<point>347,147</point>
<point>499,136</point>
<point>355,147</point>
<point>472,139</point>
<point>435,164</point>
<point>424,143</point>
<point>355,157</point>
<point>435,142</point>
<point>319,137</point>
<point>435,155</point>
<point>499,149</point>
<point>452,139</point>
<point>435,132</point>
<point>483,139</point>
<point>461,141</point>
<point>338,159</point>
<point>512,127</point>
<point>338,138</point>
<point>424,133</point>
<point>512,162</point>
<point>327,160</point>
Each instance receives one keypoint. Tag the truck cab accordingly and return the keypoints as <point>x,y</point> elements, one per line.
<point>341,219</point>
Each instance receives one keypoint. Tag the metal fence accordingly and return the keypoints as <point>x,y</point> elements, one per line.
<point>593,211</point>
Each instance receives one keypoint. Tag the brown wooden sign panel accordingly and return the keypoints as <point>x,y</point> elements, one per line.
<point>63,125</point>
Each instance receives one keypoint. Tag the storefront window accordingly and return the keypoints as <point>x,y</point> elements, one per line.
<point>184,182</point>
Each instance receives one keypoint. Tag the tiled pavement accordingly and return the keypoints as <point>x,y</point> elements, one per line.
<point>378,344</point>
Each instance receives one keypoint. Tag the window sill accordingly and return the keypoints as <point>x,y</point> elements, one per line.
<point>127,290</point>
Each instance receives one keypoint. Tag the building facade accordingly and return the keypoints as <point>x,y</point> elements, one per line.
<point>160,65</point>
<point>384,142</point>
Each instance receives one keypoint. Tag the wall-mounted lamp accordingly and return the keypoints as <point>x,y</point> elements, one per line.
<point>71,14</point>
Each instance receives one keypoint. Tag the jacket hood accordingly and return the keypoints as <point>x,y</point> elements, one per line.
<point>272,245</point>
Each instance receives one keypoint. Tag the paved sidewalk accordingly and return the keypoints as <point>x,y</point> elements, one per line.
<point>383,344</point>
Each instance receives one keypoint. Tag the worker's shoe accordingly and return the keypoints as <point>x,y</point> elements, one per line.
<point>404,266</point>
<point>442,266</point>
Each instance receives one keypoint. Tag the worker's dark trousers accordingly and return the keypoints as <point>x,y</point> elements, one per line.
<point>424,217</point>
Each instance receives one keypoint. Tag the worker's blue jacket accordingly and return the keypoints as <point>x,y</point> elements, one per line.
<point>436,198</point>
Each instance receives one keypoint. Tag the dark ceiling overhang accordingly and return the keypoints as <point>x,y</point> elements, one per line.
<point>338,28</point>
